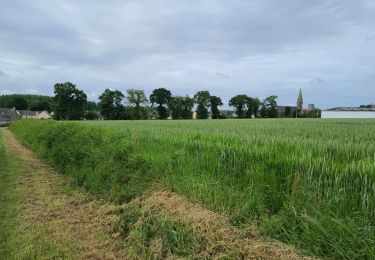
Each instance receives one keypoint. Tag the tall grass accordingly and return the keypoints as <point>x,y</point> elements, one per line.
<point>306,182</point>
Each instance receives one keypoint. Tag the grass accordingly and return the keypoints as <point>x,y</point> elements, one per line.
<point>9,201</point>
<point>153,235</point>
<point>306,182</point>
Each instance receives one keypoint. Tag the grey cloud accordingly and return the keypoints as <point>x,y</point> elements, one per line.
<point>256,47</point>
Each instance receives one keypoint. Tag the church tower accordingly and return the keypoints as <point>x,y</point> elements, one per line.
<point>300,100</point>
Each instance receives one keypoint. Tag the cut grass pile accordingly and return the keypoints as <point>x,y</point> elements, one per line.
<point>306,182</point>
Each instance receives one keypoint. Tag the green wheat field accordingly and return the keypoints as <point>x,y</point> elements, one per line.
<point>308,182</point>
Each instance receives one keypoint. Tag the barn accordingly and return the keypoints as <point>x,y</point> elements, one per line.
<point>349,112</point>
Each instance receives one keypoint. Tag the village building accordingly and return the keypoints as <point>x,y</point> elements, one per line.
<point>349,112</point>
<point>7,116</point>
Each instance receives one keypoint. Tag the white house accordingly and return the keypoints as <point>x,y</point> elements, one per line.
<point>349,112</point>
<point>43,115</point>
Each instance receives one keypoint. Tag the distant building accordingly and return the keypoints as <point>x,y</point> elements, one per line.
<point>300,100</point>
<point>311,107</point>
<point>7,116</point>
<point>43,115</point>
<point>33,114</point>
<point>349,112</point>
<point>27,113</point>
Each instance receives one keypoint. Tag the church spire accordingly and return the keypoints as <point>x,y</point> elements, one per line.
<point>300,100</point>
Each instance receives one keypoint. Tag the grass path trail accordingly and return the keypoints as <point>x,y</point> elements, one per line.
<point>57,220</point>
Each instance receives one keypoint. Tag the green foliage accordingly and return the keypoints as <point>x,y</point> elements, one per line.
<point>308,182</point>
<point>111,104</point>
<point>215,102</point>
<point>239,102</point>
<point>10,101</point>
<point>162,97</point>
<point>69,102</point>
<point>181,107</point>
<point>136,98</point>
<point>40,105</point>
<point>246,107</point>
<point>202,99</point>
<point>269,107</point>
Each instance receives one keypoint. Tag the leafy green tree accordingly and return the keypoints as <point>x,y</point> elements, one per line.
<point>176,107</point>
<point>110,104</point>
<point>288,111</point>
<point>161,97</point>
<point>270,106</point>
<point>215,103</point>
<point>188,104</point>
<point>92,106</point>
<point>40,105</point>
<point>202,99</point>
<point>239,102</point>
<point>10,102</point>
<point>70,102</point>
<point>18,102</point>
<point>137,98</point>
<point>252,105</point>
<point>256,105</point>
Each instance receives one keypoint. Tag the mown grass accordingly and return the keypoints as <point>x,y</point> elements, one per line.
<point>306,182</point>
<point>16,242</point>
<point>9,201</point>
<point>154,235</point>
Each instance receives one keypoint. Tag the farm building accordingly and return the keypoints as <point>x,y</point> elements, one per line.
<point>34,114</point>
<point>7,116</point>
<point>349,112</point>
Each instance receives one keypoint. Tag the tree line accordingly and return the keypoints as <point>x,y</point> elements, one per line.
<point>70,103</point>
<point>24,101</point>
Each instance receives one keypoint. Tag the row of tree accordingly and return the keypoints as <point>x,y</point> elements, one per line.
<point>70,103</point>
<point>111,105</point>
<point>24,101</point>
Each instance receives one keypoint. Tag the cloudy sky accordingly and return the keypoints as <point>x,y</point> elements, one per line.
<point>254,47</point>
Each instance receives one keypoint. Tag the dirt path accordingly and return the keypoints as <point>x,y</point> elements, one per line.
<point>61,218</point>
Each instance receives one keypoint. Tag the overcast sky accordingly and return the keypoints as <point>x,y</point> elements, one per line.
<point>254,47</point>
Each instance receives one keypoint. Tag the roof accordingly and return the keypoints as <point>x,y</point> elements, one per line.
<point>352,109</point>
<point>28,112</point>
<point>7,114</point>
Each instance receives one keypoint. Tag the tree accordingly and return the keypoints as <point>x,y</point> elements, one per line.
<point>288,111</point>
<point>256,105</point>
<point>239,102</point>
<point>110,104</point>
<point>17,102</point>
<point>176,107</point>
<point>215,102</point>
<point>270,104</point>
<point>40,105</point>
<point>188,104</point>
<point>137,98</point>
<point>202,98</point>
<point>162,97</point>
<point>263,109</point>
<point>70,102</point>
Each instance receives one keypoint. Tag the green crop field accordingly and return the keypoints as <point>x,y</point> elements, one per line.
<point>307,182</point>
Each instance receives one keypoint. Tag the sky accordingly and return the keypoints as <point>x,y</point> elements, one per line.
<point>253,47</point>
